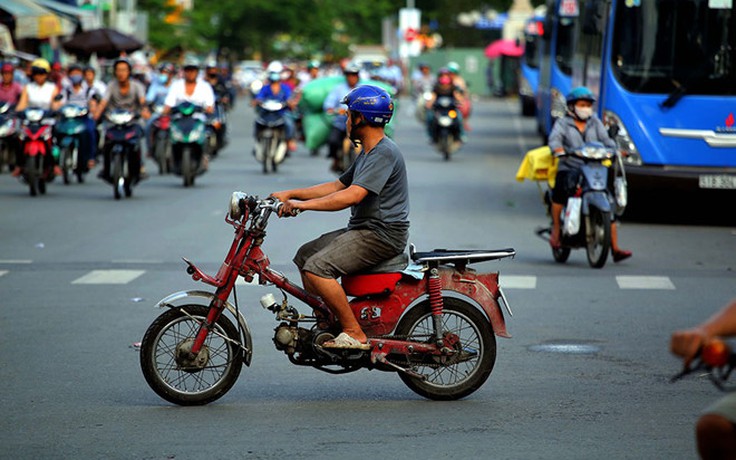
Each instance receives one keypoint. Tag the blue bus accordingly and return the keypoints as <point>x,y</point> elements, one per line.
<point>529,66</point>
<point>665,75</point>
<point>555,66</point>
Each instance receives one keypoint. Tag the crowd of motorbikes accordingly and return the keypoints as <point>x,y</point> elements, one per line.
<point>182,143</point>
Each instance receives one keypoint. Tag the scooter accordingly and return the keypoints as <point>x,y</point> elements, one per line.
<point>8,134</point>
<point>433,321</point>
<point>70,127</point>
<point>586,219</point>
<point>190,139</point>
<point>271,145</point>
<point>121,150</point>
<point>160,139</point>
<point>446,126</point>
<point>35,135</point>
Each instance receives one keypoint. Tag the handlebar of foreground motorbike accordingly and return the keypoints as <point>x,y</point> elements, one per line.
<point>717,361</point>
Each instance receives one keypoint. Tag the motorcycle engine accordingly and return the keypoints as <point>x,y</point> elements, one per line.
<point>289,338</point>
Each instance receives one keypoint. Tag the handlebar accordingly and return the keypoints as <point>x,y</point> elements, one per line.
<point>717,361</point>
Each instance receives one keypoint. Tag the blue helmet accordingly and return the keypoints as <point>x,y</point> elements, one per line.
<point>372,102</point>
<point>581,93</point>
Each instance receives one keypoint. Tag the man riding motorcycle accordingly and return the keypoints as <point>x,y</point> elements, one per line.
<point>278,91</point>
<point>156,95</point>
<point>375,187</point>
<point>10,91</point>
<point>190,89</point>
<point>333,105</point>
<point>125,93</point>
<point>444,87</point>
<point>78,93</point>
<point>39,93</point>
<point>580,125</point>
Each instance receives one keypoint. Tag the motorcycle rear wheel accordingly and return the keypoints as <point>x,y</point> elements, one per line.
<point>597,248</point>
<point>167,370</point>
<point>452,379</point>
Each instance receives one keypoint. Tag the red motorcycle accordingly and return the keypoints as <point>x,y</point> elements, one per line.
<point>35,137</point>
<point>432,321</point>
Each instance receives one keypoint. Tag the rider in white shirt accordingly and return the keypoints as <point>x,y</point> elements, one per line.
<point>190,89</point>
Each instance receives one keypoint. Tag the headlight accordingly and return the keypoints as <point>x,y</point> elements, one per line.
<point>120,117</point>
<point>237,205</point>
<point>623,140</point>
<point>176,134</point>
<point>272,106</point>
<point>197,133</point>
<point>34,115</point>
<point>73,111</point>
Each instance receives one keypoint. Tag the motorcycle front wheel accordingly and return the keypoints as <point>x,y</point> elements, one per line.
<point>32,175</point>
<point>598,237</point>
<point>65,161</point>
<point>452,377</point>
<point>180,378</point>
<point>187,166</point>
<point>117,176</point>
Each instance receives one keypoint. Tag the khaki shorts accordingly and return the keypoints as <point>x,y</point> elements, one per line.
<point>343,252</point>
<point>725,407</point>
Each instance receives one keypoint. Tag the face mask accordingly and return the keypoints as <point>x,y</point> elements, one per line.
<point>75,79</point>
<point>163,78</point>
<point>583,113</point>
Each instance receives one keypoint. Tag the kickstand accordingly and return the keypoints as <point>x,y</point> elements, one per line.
<point>381,358</point>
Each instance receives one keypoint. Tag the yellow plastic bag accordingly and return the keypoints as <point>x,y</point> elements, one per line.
<point>538,164</point>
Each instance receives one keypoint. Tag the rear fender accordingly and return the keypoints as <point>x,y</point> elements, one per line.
<point>181,298</point>
<point>33,148</point>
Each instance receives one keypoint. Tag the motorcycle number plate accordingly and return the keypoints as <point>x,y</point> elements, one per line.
<point>717,181</point>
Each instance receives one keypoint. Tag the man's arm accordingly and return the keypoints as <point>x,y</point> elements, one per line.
<point>310,193</point>
<point>686,343</point>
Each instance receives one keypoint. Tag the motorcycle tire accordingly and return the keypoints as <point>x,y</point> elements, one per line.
<point>41,186</point>
<point>268,161</point>
<point>164,366</point>
<point>160,154</point>
<point>599,245</point>
<point>65,161</point>
<point>444,145</point>
<point>31,175</point>
<point>456,379</point>
<point>561,254</point>
<point>187,169</point>
<point>117,176</point>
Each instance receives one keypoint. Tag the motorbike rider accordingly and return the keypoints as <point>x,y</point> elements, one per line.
<point>277,90</point>
<point>219,86</point>
<point>716,427</point>
<point>10,91</point>
<point>40,93</point>
<point>422,79</point>
<point>444,88</point>
<point>578,126</point>
<point>333,105</point>
<point>80,94</point>
<point>190,89</point>
<point>156,95</point>
<point>460,82</point>
<point>375,187</point>
<point>123,92</point>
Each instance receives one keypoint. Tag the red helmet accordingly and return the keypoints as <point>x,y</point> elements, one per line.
<point>7,67</point>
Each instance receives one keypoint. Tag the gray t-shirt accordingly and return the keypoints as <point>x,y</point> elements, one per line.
<point>385,209</point>
<point>130,101</point>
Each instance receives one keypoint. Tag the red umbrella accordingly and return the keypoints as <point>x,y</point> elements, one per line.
<point>503,48</point>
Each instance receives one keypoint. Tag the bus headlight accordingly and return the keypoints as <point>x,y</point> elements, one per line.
<point>630,153</point>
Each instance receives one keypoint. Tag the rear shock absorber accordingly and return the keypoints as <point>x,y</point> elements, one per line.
<point>436,303</point>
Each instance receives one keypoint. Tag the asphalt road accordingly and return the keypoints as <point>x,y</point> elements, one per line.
<point>584,376</point>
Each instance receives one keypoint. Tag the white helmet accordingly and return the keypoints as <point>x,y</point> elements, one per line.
<point>275,66</point>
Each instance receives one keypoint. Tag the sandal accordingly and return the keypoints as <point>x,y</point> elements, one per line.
<point>345,342</point>
<point>618,256</point>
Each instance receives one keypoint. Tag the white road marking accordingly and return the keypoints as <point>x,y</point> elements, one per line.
<point>137,261</point>
<point>15,261</point>
<point>644,282</point>
<point>517,282</point>
<point>2,272</point>
<point>109,277</point>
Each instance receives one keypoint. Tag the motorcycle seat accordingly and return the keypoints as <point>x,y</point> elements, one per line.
<point>392,265</point>
<point>460,256</point>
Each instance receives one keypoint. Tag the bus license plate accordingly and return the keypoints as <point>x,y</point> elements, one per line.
<point>720,181</point>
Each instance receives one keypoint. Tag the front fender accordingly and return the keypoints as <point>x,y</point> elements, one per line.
<point>181,298</point>
<point>597,199</point>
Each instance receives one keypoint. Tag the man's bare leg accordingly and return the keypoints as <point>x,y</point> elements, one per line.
<point>334,296</point>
